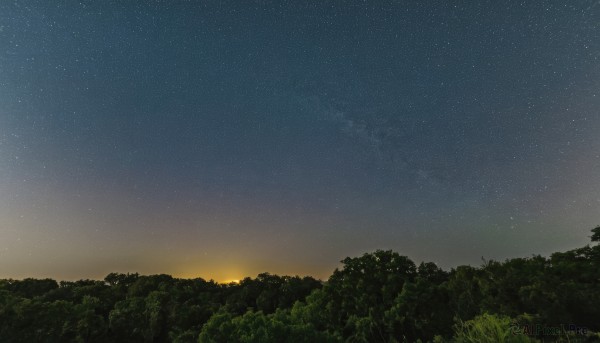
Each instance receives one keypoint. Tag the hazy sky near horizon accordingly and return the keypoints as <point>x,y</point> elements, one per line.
<point>222,139</point>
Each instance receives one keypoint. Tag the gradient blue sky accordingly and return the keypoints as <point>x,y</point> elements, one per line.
<point>226,138</point>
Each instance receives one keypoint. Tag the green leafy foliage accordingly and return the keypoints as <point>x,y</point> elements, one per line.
<point>257,327</point>
<point>596,234</point>
<point>488,328</point>
<point>377,297</point>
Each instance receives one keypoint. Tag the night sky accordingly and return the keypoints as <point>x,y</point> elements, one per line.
<point>222,139</point>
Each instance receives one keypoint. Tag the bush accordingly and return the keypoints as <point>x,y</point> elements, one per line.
<point>488,328</point>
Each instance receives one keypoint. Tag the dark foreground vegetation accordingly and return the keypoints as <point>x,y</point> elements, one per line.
<point>379,297</point>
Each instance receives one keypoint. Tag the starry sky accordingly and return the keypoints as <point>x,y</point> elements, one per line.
<point>221,139</point>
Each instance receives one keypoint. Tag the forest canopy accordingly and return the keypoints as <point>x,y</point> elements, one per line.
<point>378,297</point>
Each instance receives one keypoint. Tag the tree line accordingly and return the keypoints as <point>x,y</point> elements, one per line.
<point>378,297</point>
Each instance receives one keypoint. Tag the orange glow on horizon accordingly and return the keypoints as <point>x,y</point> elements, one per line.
<point>217,276</point>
